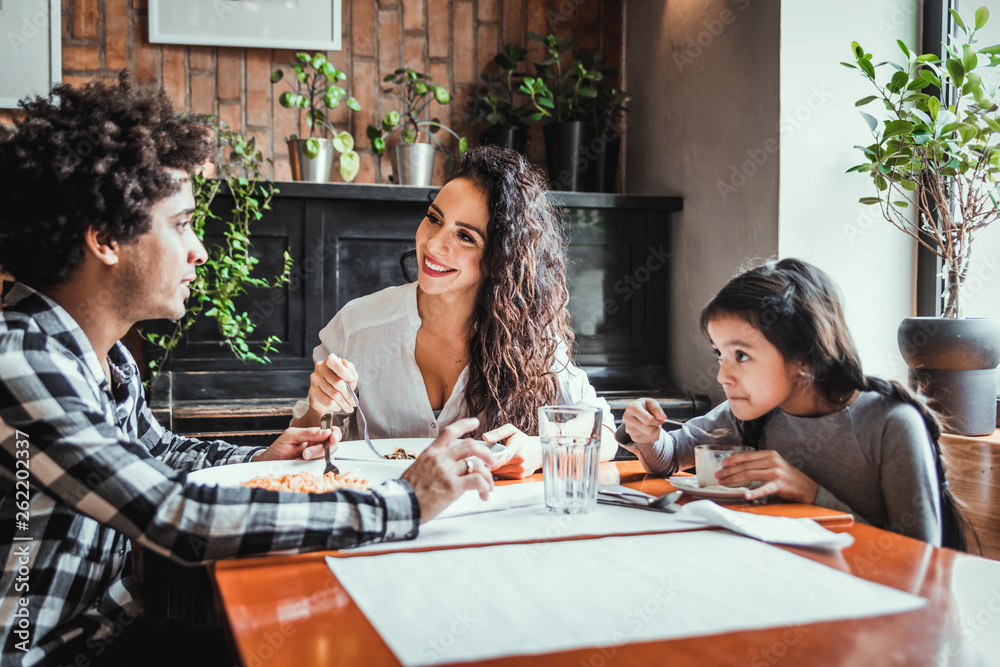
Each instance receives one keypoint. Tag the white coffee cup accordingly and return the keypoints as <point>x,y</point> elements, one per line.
<point>708,459</point>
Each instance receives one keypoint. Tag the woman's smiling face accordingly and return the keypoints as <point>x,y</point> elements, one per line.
<point>451,240</point>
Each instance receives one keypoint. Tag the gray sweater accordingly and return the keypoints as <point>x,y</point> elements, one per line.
<point>873,459</point>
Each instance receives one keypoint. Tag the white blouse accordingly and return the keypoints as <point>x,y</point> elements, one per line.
<point>378,334</point>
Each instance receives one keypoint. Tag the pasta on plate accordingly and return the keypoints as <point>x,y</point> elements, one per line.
<point>306,482</point>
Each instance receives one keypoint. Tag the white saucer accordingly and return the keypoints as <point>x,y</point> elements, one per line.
<point>689,485</point>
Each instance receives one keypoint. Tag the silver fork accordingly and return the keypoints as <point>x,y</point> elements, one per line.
<point>364,421</point>
<point>325,423</point>
<point>664,503</point>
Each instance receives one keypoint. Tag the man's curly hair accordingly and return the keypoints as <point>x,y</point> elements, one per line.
<point>95,156</point>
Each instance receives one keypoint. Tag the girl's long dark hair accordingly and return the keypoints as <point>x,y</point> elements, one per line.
<point>797,308</point>
<point>520,318</point>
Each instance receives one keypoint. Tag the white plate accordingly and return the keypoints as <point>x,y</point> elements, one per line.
<point>357,450</point>
<point>237,473</point>
<point>689,485</point>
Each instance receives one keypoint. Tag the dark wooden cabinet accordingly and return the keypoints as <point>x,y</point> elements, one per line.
<point>346,241</point>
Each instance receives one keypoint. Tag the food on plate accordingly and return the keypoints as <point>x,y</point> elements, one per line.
<point>399,454</point>
<point>306,482</point>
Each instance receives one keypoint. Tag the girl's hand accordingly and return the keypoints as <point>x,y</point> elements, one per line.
<point>306,443</point>
<point>642,419</point>
<point>522,457</point>
<point>328,386</point>
<point>780,477</point>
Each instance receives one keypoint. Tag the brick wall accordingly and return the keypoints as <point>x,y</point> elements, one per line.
<point>452,40</point>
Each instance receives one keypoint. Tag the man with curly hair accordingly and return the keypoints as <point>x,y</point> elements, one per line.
<point>95,213</point>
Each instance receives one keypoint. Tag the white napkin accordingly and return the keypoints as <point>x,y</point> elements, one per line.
<point>501,498</point>
<point>801,532</point>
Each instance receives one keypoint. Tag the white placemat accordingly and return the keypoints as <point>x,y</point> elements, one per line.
<point>458,605</point>
<point>500,498</point>
<point>528,521</point>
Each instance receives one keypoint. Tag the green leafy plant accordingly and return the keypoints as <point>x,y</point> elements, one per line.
<point>540,95</point>
<point>936,153</point>
<point>557,92</point>
<point>496,100</point>
<point>228,272</point>
<point>415,91</point>
<point>607,107</point>
<point>319,79</point>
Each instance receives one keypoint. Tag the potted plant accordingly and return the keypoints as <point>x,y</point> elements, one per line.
<point>936,155</point>
<point>311,159</point>
<point>607,111</point>
<point>560,94</point>
<point>414,160</point>
<point>495,103</point>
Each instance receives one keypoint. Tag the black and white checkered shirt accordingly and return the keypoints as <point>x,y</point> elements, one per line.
<point>85,469</point>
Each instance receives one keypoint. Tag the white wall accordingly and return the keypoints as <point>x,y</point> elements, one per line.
<point>821,220</point>
<point>982,291</point>
<point>703,75</point>
<point>733,97</point>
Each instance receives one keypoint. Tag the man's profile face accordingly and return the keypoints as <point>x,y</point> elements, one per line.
<point>157,268</point>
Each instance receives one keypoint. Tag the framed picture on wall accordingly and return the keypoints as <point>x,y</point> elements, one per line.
<point>273,24</point>
<point>30,49</point>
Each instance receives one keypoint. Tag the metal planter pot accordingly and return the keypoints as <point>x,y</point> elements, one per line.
<point>414,163</point>
<point>954,363</point>
<point>505,137</point>
<point>570,163</point>
<point>314,170</point>
<point>609,146</point>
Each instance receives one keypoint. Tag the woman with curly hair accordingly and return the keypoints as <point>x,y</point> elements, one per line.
<point>483,332</point>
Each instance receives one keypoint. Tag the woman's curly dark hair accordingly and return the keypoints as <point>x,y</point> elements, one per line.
<point>94,156</point>
<point>520,319</point>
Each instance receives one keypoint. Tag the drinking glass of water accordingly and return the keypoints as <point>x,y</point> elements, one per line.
<point>571,451</point>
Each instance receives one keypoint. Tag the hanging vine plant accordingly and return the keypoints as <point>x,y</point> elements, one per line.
<point>228,271</point>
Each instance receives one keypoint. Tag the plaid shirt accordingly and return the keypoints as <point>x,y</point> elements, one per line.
<point>85,469</point>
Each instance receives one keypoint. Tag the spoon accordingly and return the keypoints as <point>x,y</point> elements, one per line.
<point>720,432</point>
<point>625,439</point>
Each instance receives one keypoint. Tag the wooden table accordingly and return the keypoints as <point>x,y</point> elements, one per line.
<point>292,611</point>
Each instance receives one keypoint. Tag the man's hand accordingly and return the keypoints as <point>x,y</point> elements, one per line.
<point>523,455</point>
<point>305,443</point>
<point>642,419</point>
<point>448,468</point>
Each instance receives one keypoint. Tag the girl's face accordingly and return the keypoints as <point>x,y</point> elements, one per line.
<point>754,375</point>
<point>451,239</point>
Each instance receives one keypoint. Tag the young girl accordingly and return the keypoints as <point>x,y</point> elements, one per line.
<point>823,432</point>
